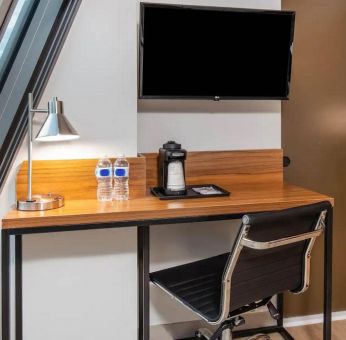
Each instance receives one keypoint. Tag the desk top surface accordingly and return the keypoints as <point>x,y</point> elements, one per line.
<point>245,197</point>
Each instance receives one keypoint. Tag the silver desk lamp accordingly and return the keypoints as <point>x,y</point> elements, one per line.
<point>55,128</point>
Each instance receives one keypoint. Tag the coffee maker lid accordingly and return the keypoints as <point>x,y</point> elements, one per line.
<point>171,145</point>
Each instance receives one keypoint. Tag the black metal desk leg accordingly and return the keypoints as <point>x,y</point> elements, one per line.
<point>328,257</point>
<point>280,308</point>
<point>143,282</point>
<point>19,288</point>
<point>5,284</point>
<point>280,323</point>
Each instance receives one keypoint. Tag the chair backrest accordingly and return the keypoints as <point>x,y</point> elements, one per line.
<point>272,254</point>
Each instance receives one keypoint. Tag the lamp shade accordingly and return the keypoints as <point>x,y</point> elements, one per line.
<point>56,127</point>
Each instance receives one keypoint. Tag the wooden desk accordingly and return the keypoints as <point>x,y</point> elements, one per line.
<point>253,177</point>
<point>245,197</point>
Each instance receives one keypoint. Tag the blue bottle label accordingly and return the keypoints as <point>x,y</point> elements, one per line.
<point>103,172</point>
<point>121,172</point>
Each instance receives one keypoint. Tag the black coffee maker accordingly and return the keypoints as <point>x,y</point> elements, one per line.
<point>172,169</point>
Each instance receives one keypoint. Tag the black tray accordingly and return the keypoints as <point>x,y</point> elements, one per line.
<point>158,192</point>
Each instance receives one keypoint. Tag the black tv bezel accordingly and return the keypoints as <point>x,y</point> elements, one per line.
<point>144,5</point>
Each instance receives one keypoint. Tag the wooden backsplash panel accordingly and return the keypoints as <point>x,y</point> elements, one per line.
<point>225,166</point>
<point>75,179</point>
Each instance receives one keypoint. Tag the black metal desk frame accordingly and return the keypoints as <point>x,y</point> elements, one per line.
<point>143,229</point>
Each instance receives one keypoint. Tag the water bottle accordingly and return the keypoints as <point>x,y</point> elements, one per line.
<point>121,179</point>
<point>104,178</point>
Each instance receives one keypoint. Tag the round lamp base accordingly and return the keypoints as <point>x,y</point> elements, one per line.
<point>41,202</point>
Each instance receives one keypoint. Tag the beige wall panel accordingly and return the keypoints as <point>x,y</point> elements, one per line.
<point>314,130</point>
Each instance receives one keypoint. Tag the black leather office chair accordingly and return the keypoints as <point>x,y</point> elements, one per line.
<point>270,255</point>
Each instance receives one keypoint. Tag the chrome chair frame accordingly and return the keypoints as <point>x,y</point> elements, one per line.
<point>242,241</point>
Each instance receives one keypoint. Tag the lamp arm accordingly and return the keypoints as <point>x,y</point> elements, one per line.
<point>30,118</point>
<point>39,111</point>
<point>31,112</point>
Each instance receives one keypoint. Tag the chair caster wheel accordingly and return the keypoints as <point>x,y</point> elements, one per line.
<point>260,337</point>
<point>199,335</point>
<point>204,334</point>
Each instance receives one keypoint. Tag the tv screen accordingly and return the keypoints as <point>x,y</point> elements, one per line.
<point>214,53</point>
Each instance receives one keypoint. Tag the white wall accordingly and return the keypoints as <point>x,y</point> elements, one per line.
<point>4,4</point>
<point>96,76</point>
<point>72,286</point>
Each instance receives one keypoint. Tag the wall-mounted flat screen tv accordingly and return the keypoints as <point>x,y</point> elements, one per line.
<point>214,53</point>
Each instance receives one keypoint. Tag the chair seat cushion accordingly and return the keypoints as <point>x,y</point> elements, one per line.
<point>196,284</point>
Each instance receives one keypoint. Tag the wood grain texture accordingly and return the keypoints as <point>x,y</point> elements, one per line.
<point>225,166</point>
<point>315,332</point>
<point>245,197</point>
<point>75,179</point>
<point>254,178</point>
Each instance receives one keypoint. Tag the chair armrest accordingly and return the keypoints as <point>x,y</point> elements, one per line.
<point>280,242</point>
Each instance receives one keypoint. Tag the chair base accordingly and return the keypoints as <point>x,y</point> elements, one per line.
<point>256,337</point>
<point>249,334</point>
<point>260,337</point>
<point>226,331</point>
